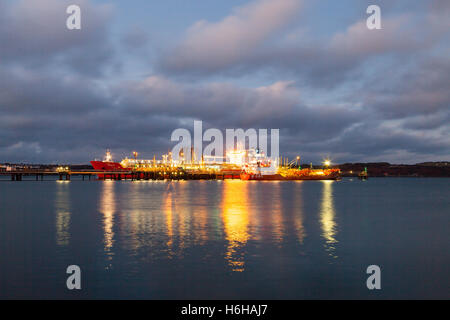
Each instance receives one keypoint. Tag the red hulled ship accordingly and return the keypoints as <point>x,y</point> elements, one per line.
<point>294,174</point>
<point>244,164</point>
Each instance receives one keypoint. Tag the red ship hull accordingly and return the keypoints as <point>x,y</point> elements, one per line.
<point>278,177</point>
<point>107,166</point>
<point>113,169</point>
<point>110,167</point>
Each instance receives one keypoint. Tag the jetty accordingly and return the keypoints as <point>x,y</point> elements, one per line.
<point>86,175</point>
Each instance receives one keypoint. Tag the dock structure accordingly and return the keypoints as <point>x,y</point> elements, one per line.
<point>133,175</point>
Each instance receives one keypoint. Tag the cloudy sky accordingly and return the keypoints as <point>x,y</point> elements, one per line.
<point>139,69</point>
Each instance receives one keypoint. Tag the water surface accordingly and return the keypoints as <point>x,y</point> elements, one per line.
<point>225,239</point>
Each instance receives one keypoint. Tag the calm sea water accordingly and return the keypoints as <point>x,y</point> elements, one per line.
<point>225,239</point>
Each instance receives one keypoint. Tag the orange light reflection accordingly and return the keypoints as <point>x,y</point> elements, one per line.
<point>107,209</point>
<point>327,217</point>
<point>235,218</point>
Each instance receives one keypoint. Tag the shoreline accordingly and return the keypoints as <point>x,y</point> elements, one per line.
<point>439,169</point>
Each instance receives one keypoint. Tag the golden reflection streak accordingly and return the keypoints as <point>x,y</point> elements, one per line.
<point>200,225</point>
<point>169,220</point>
<point>177,217</point>
<point>137,216</point>
<point>200,215</point>
<point>62,208</point>
<point>276,213</point>
<point>181,212</point>
<point>327,217</point>
<point>235,221</point>
<point>108,208</point>
<point>298,218</point>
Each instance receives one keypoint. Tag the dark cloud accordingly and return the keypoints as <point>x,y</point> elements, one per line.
<point>135,38</point>
<point>36,35</point>
<point>355,96</point>
<point>211,47</point>
<point>419,90</point>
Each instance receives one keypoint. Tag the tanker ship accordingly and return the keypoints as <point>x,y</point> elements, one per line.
<point>292,174</point>
<point>165,166</point>
<point>241,164</point>
<point>262,168</point>
<point>108,164</point>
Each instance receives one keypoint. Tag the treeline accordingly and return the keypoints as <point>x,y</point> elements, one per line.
<point>385,169</point>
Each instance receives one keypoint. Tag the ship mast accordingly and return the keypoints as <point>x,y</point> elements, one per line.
<point>108,157</point>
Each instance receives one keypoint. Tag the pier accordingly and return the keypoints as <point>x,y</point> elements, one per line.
<point>86,175</point>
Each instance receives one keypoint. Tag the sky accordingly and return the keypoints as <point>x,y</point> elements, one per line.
<point>137,70</point>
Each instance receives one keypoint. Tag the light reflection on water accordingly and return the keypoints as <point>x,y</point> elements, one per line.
<point>276,213</point>
<point>201,239</point>
<point>107,209</point>
<point>178,217</point>
<point>62,210</point>
<point>235,215</point>
<point>168,205</point>
<point>298,212</point>
<point>327,217</point>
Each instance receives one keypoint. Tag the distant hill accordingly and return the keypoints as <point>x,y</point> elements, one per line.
<point>375,169</point>
<point>434,164</point>
<point>385,169</point>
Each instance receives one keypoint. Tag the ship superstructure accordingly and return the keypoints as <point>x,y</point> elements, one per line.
<point>250,164</point>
